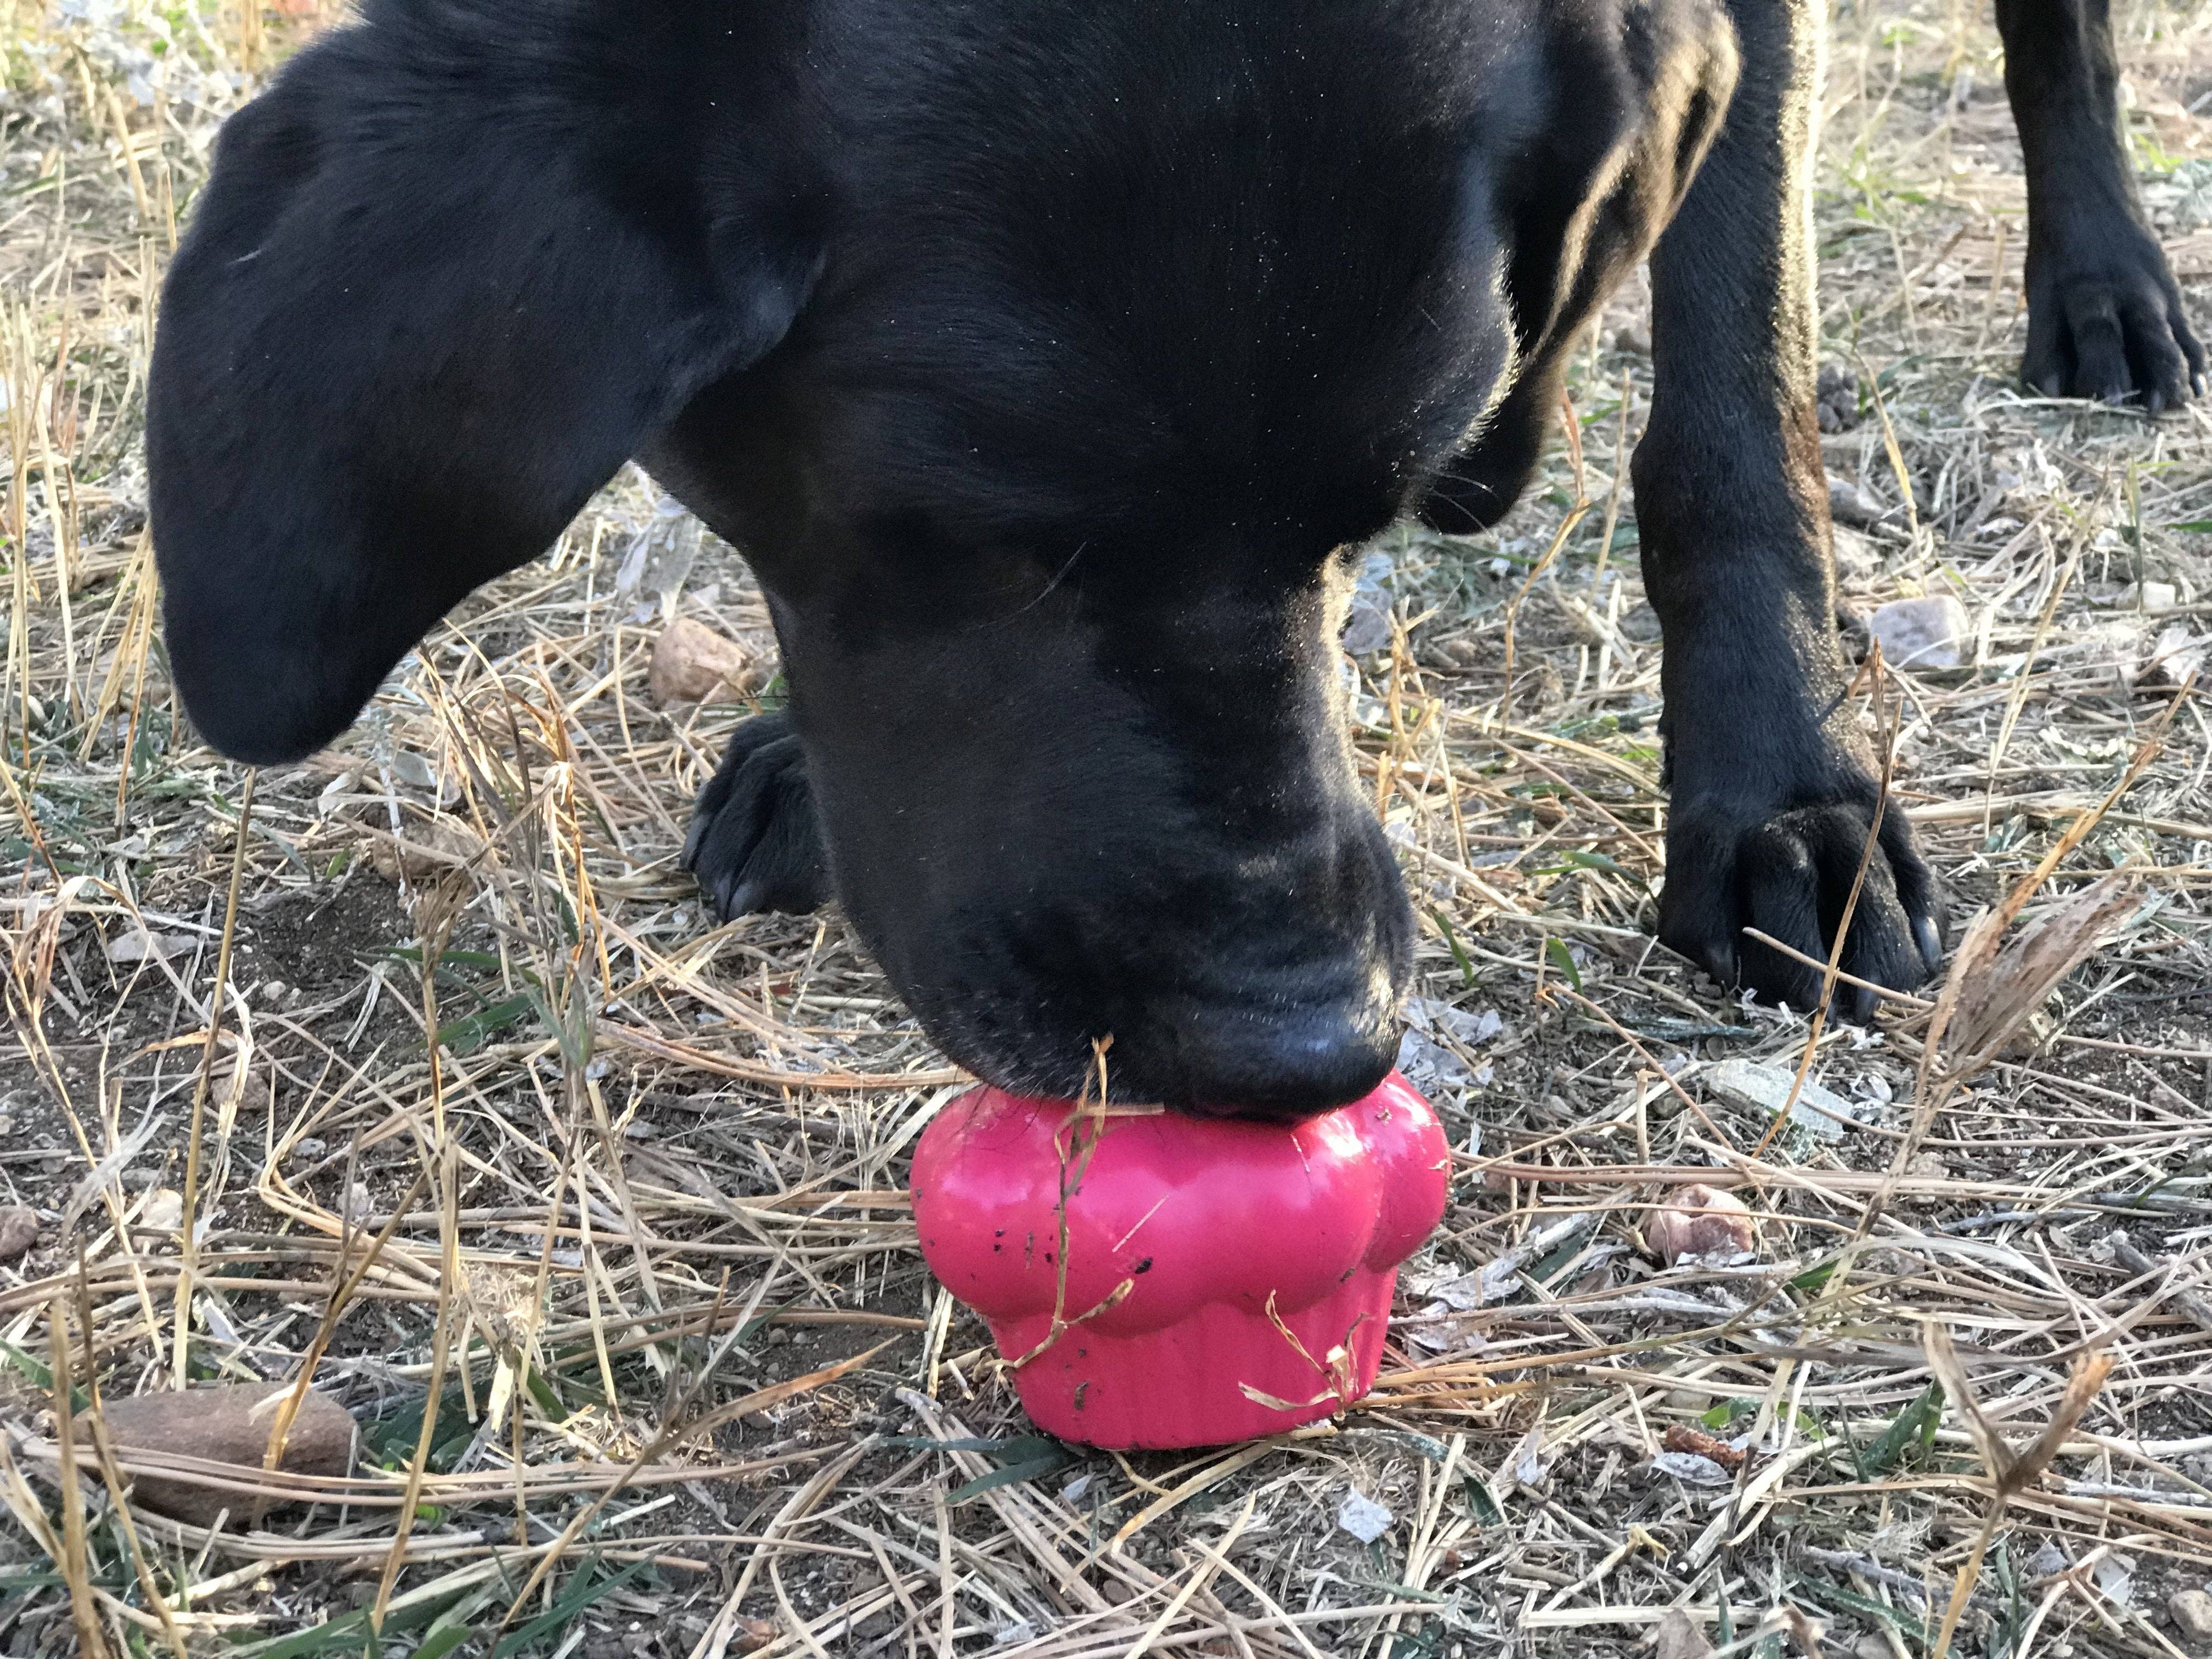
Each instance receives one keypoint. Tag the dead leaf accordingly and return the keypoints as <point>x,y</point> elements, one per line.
<point>429,850</point>
<point>691,663</point>
<point>1679,1636</point>
<point>1681,1438</point>
<point>2002,983</point>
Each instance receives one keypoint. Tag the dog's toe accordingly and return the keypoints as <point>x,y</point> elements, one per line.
<point>755,842</point>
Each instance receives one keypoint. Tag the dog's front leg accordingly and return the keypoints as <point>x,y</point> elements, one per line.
<point>1773,786</point>
<point>2104,317</point>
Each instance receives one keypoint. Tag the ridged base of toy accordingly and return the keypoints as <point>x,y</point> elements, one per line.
<point>1192,1383</point>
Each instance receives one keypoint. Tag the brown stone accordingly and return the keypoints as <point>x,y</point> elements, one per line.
<point>227,1424</point>
<point>1700,1221</point>
<point>691,663</point>
<point>18,1231</point>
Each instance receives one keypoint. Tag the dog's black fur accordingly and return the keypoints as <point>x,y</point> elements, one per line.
<point>1049,361</point>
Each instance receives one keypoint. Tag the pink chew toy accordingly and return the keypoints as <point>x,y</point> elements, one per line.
<point>1162,1280</point>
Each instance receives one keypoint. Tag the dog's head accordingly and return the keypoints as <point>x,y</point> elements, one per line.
<point>1048,374</point>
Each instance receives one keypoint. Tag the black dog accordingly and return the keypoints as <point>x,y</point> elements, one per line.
<point>1049,361</point>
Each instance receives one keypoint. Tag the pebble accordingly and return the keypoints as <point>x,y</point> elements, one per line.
<point>2192,1614</point>
<point>2148,595</point>
<point>18,1231</point>
<point>223,1424</point>
<point>1853,504</point>
<point>1930,632</point>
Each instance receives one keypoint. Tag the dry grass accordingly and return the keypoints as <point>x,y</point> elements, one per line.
<point>637,1222</point>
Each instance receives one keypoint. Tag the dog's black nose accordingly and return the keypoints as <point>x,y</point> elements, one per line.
<point>1281,1064</point>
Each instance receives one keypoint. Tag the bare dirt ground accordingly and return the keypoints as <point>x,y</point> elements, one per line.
<point>638,1222</point>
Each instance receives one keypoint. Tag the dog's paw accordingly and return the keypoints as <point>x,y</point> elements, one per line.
<point>755,843</point>
<point>2105,320</point>
<point>1788,874</point>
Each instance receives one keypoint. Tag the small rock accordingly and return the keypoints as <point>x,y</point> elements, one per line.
<point>1765,1089</point>
<point>1363,1517</point>
<point>1854,504</point>
<point>752,1635</point>
<point>309,1149</point>
<point>691,663</point>
<point>164,1210</point>
<point>1838,396</point>
<point>137,945</point>
<point>18,1231</point>
<point>2192,1614</point>
<point>228,1423</point>
<point>1926,633</point>
<point>1703,1222</point>
<point>2148,595</point>
<point>1872,1645</point>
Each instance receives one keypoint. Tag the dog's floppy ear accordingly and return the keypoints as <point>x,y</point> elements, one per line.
<point>447,275</point>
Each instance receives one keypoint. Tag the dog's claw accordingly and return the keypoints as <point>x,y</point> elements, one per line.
<point>1788,874</point>
<point>1930,938</point>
